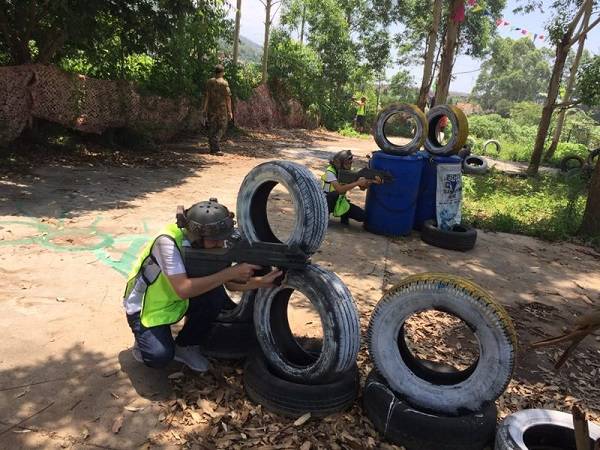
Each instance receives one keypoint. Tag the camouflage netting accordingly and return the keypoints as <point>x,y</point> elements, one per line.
<point>93,106</point>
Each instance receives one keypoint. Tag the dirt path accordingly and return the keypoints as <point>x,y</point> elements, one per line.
<point>69,232</point>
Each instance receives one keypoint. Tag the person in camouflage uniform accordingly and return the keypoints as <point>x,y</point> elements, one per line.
<point>217,108</point>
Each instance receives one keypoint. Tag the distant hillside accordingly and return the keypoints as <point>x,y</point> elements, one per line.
<point>249,51</point>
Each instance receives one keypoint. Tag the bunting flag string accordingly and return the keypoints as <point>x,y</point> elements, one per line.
<point>472,6</point>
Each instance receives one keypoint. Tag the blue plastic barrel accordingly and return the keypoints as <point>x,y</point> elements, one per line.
<point>390,207</point>
<point>427,192</point>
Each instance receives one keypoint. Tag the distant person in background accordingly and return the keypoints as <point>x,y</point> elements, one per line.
<point>217,109</point>
<point>440,129</point>
<point>361,113</point>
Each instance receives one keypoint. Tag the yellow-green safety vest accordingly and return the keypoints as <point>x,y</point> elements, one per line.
<point>362,109</point>
<point>342,205</point>
<point>328,187</point>
<point>160,304</point>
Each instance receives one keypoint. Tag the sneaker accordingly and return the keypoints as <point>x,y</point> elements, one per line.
<point>217,153</point>
<point>191,357</point>
<point>137,354</point>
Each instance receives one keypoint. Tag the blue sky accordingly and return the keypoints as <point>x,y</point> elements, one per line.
<point>253,17</point>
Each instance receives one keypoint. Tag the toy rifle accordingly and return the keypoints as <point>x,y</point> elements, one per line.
<point>200,262</point>
<point>350,176</point>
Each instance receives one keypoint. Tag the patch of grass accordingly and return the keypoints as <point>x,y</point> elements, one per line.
<point>548,207</point>
<point>348,131</point>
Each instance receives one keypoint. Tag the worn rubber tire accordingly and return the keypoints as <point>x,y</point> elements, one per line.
<point>233,340</point>
<point>339,320</point>
<point>553,430</point>
<point>564,163</point>
<point>475,165</point>
<point>461,238</point>
<point>493,142</point>
<point>239,312</point>
<point>460,130</point>
<point>400,423</point>
<point>467,390</point>
<point>292,399</point>
<point>401,150</point>
<point>311,207</point>
<point>471,143</point>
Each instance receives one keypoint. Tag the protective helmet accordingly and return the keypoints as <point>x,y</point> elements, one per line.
<point>341,157</point>
<point>206,220</point>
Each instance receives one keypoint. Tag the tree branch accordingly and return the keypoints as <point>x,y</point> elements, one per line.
<point>585,31</point>
<point>575,20</point>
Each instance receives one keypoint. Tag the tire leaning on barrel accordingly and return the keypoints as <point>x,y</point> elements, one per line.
<point>402,424</point>
<point>461,237</point>
<point>460,130</point>
<point>420,131</point>
<point>310,205</point>
<point>468,390</point>
<point>339,319</point>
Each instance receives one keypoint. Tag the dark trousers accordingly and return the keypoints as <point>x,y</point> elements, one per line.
<point>157,344</point>
<point>355,212</point>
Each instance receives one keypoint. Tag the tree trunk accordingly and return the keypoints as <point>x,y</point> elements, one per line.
<point>236,33</point>
<point>445,72</point>
<point>265,59</point>
<point>562,50</point>
<point>302,24</point>
<point>429,54</point>
<point>569,89</point>
<point>590,225</point>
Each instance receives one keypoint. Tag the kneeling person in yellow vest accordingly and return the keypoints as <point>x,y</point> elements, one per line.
<point>337,202</point>
<point>159,293</point>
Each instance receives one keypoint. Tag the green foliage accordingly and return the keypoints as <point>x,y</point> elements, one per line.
<point>526,113</point>
<point>296,67</point>
<point>348,130</point>
<point>516,71</point>
<point>588,85</point>
<point>503,107</point>
<point>548,207</point>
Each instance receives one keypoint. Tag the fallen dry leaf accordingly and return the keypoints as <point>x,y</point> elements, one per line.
<point>85,433</point>
<point>305,446</point>
<point>133,408</point>
<point>302,419</point>
<point>117,424</point>
<point>175,375</point>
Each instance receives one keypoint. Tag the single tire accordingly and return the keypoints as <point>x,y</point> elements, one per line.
<point>239,312</point>
<point>540,428</point>
<point>339,320</point>
<point>571,162</point>
<point>455,392</point>
<point>475,165</point>
<point>593,157</point>
<point>460,130</point>
<point>493,142</point>
<point>292,399</point>
<point>420,132</point>
<point>402,424</point>
<point>310,205</point>
<point>462,237</point>
<point>229,340</point>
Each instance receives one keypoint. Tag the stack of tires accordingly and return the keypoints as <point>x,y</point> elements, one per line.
<point>281,374</point>
<point>424,405</point>
<point>420,208</point>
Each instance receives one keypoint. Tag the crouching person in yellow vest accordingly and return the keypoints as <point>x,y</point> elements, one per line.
<point>159,293</point>
<point>337,202</point>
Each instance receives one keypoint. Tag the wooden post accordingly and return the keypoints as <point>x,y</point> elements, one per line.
<point>580,425</point>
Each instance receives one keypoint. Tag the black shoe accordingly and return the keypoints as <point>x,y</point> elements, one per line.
<point>216,153</point>
<point>345,222</point>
